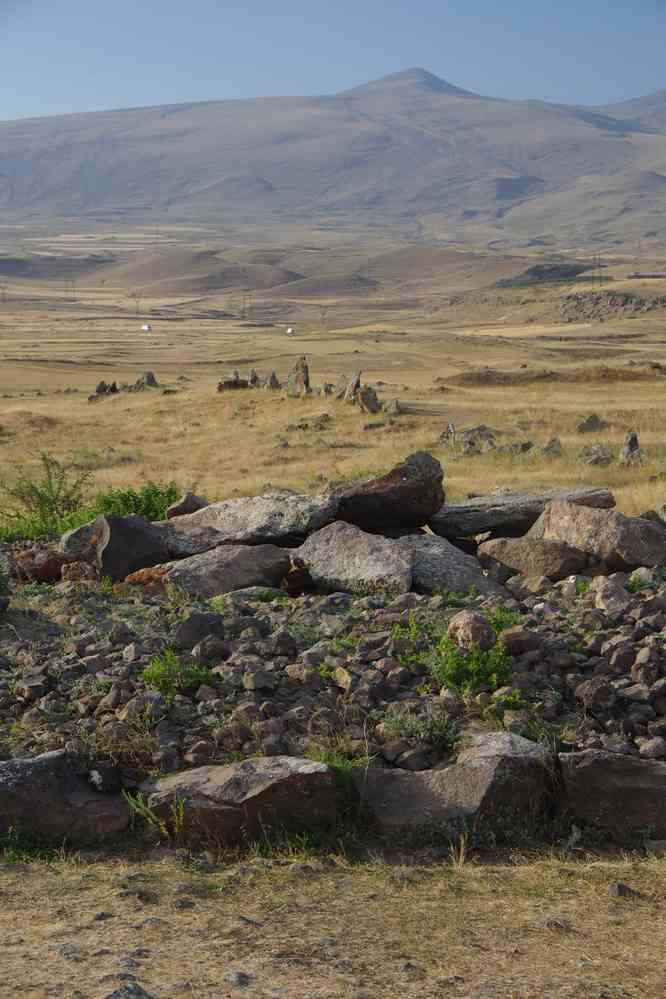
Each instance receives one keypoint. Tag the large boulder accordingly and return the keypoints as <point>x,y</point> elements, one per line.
<point>119,546</point>
<point>278,517</point>
<point>220,570</point>
<point>247,799</point>
<point>532,557</point>
<point>342,557</point>
<point>407,496</point>
<point>619,542</point>
<point>499,788</point>
<point>50,798</point>
<point>508,512</point>
<point>622,795</point>
<point>438,565</point>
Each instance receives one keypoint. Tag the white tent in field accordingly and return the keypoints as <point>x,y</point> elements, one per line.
<point>146,328</point>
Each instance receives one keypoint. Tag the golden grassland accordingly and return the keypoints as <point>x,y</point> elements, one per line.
<point>522,927</point>
<point>245,442</point>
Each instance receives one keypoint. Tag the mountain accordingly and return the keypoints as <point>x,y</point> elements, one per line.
<point>409,154</point>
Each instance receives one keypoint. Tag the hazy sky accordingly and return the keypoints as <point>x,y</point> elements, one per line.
<point>74,55</point>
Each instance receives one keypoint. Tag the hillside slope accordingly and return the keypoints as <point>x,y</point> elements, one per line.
<point>409,153</point>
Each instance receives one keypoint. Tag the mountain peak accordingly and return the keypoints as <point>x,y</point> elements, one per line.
<point>415,78</point>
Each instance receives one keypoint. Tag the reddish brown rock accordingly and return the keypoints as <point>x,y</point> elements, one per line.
<point>408,496</point>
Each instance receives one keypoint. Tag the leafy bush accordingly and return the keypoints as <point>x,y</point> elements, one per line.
<point>468,672</point>
<point>57,497</point>
<point>48,497</point>
<point>150,501</point>
<point>168,676</point>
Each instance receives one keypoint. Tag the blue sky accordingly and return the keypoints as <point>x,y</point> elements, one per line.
<point>59,56</point>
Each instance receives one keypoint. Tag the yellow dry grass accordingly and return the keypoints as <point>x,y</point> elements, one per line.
<point>524,929</point>
<point>244,442</point>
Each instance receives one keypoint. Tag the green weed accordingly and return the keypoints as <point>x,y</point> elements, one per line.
<point>166,674</point>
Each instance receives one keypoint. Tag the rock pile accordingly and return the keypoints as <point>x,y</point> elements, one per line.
<point>521,689</point>
<point>147,380</point>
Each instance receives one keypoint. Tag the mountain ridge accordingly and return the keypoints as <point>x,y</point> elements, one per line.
<point>408,153</point>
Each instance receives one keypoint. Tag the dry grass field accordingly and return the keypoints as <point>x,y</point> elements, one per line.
<point>298,926</point>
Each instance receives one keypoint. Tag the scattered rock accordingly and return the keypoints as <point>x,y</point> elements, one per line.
<point>596,454</point>
<point>499,787</point>
<point>532,557</point>
<point>221,570</point>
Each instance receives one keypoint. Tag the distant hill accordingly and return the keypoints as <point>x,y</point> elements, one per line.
<point>409,154</point>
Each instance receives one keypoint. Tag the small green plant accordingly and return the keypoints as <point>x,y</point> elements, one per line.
<point>502,618</point>
<point>168,676</point>
<point>582,586</point>
<point>34,589</point>
<point>434,727</point>
<point>106,586</point>
<point>346,644</point>
<point>512,701</point>
<point>469,671</point>
<point>171,829</point>
<point>19,848</point>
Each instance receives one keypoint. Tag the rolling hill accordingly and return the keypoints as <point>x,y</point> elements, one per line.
<point>410,155</point>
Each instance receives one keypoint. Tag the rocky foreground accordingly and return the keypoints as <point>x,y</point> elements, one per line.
<point>495,668</point>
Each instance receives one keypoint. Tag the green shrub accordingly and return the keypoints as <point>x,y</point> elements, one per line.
<point>56,497</point>
<point>150,501</point>
<point>46,498</point>
<point>468,672</point>
<point>168,676</point>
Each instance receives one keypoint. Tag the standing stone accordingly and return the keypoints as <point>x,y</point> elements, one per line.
<point>553,449</point>
<point>368,401</point>
<point>341,386</point>
<point>253,378</point>
<point>298,382</point>
<point>631,455</point>
<point>273,382</point>
<point>353,387</point>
